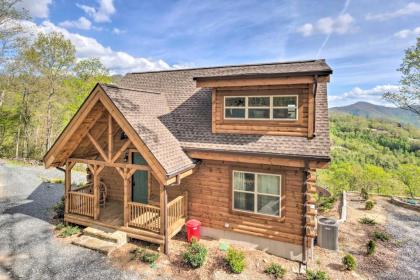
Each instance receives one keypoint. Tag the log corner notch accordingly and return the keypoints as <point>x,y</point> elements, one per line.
<point>309,210</point>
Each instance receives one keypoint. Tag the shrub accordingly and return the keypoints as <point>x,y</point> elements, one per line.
<point>69,231</point>
<point>196,254</point>
<point>235,260</point>
<point>316,275</point>
<point>379,235</point>
<point>60,226</point>
<point>276,270</point>
<point>326,203</point>
<point>369,204</point>
<point>367,221</point>
<point>55,181</point>
<point>371,247</point>
<point>150,257</point>
<point>364,194</point>
<point>59,209</point>
<point>349,262</point>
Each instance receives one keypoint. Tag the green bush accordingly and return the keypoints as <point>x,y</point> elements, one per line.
<point>326,203</point>
<point>69,231</point>
<point>276,270</point>
<point>236,260</point>
<point>369,204</point>
<point>367,221</point>
<point>60,226</point>
<point>371,247</point>
<point>379,235</point>
<point>364,194</point>
<point>316,275</point>
<point>59,209</point>
<point>349,262</point>
<point>196,255</point>
<point>150,257</point>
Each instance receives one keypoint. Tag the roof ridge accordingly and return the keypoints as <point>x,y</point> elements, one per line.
<point>132,89</point>
<point>230,66</point>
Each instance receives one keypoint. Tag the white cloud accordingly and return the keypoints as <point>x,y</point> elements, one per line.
<point>328,25</point>
<point>102,13</point>
<point>410,9</point>
<point>81,23</point>
<point>116,61</point>
<point>408,32</point>
<point>36,8</point>
<point>117,31</point>
<point>372,95</point>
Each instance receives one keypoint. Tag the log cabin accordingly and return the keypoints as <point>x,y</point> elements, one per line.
<point>235,147</point>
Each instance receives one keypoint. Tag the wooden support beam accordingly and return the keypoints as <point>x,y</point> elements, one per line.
<point>110,138</point>
<point>97,146</point>
<point>111,164</point>
<point>126,184</point>
<point>164,217</point>
<point>67,185</point>
<point>121,150</point>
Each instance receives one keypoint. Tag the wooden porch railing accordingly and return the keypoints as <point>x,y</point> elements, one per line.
<point>177,209</point>
<point>144,216</point>
<point>81,203</point>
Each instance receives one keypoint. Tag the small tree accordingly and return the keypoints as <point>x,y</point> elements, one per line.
<point>409,174</point>
<point>408,96</point>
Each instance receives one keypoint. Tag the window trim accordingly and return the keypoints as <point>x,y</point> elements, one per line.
<point>256,193</point>
<point>271,108</point>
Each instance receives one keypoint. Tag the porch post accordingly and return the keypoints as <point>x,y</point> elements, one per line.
<point>96,171</point>
<point>67,186</point>
<point>126,181</point>
<point>164,217</point>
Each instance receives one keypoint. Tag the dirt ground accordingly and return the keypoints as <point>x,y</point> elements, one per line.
<point>352,238</point>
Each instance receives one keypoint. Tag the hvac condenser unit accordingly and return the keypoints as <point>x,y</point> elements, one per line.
<point>328,233</point>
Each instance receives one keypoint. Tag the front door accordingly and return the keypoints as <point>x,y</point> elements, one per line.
<point>140,181</point>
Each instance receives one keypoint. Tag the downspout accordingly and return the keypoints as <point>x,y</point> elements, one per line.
<point>315,88</point>
<point>304,221</point>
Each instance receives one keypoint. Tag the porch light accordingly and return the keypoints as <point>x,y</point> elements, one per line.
<point>126,157</point>
<point>123,136</point>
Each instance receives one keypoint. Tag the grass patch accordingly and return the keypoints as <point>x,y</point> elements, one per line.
<point>275,270</point>
<point>236,260</point>
<point>145,255</point>
<point>68,231</point>
<point>53,180</point>
<point>380,235</point>
<point>196,255</point>
<point>316,275</point>
<point>367,221</point>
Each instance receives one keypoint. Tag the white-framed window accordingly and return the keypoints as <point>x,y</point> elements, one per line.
<point>258,193</point>
<point>271,107</point>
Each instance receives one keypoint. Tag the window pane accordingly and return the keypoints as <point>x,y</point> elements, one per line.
<point>259,101</point>
<point>282,101</point>
<point>235,113</point>
<point>249,182</point>
<point>268,184</point>
<point>259,113</point>
<point>286,113</point>
<point>235,102</point>
<point>244,201</point>
<point>268,205</point>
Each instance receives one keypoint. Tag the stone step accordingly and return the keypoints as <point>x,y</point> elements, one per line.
<point>106,234</point>
<point>96,244</point>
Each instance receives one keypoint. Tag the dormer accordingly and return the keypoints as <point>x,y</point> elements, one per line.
<point>265,103</point>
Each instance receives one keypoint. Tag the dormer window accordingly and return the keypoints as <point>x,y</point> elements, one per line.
<point>261,107</point>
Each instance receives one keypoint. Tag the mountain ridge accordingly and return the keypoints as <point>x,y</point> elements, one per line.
<point>374,111</point>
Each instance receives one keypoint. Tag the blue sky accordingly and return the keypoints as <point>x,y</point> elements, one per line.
<point>363,41</point>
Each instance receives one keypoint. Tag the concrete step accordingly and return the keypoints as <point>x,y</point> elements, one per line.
<point>106,234</point>
<point>96,244</point>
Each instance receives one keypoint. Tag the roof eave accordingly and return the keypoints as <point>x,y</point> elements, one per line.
<point>264,75</point>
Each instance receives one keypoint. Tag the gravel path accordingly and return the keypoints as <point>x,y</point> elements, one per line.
<point>28,249</point>
<point>404,226</point>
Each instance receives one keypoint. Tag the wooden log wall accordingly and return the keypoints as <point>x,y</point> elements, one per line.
<point>209,200</point>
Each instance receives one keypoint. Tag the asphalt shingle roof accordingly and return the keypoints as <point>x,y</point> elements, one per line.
<point>171,114</point>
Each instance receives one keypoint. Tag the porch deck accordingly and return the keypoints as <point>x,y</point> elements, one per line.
<point>144,220</point>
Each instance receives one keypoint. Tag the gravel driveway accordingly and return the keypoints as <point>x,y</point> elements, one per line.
<point>28,249</point>
<point>404,226</point>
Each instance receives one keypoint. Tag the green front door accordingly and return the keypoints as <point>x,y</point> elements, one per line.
<point>140,190</point>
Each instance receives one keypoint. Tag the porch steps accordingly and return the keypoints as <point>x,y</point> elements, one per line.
<point>106,234</point>
<point>102,246</point>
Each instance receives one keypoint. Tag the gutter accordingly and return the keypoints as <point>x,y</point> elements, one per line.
<point>263,75</point>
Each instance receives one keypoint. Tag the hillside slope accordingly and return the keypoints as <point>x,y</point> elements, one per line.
<point>368,110</point>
